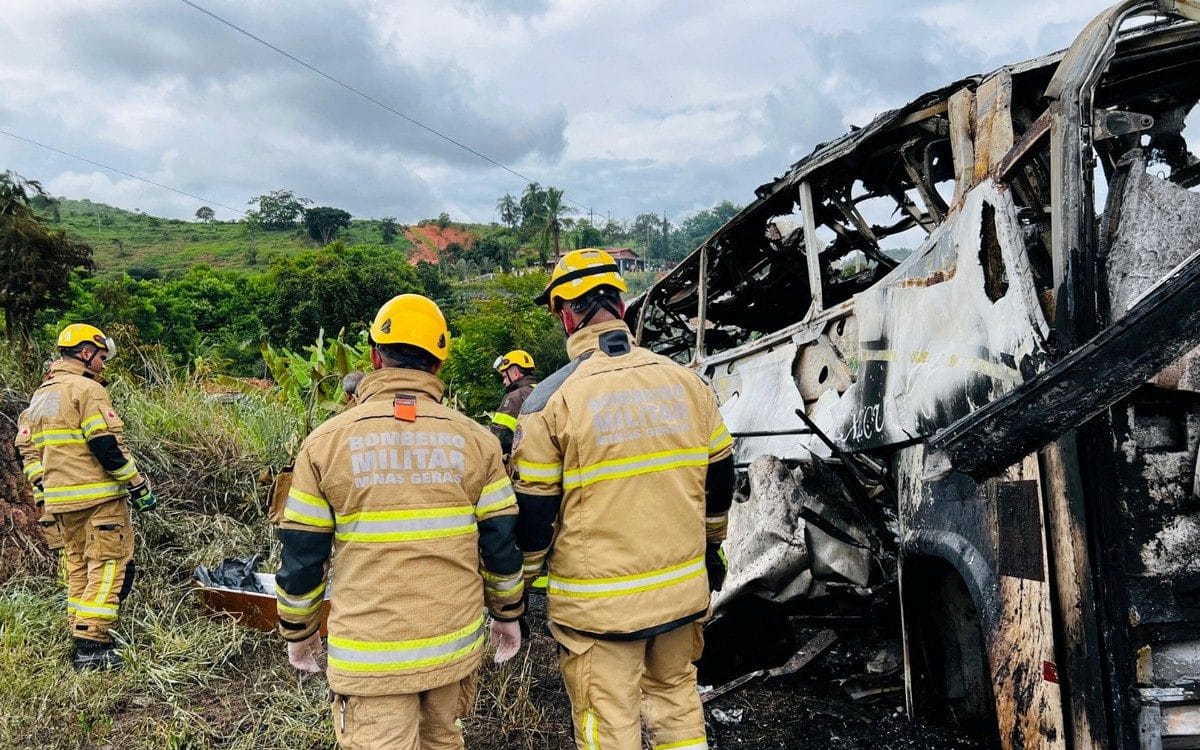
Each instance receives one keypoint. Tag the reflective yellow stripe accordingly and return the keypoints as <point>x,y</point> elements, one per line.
<point>539,473</point>
<point>590,735</point>
<point>504,420</point>
<point>75,492</point>
<point>496,496</point>
<point>93,424</point>
<point>302,507</point>
<point>719,440</point>
<point>387,656</point>
<point>301,605</point>
<point>406,525</point>
<point>106,582</point>
<point>94,611</point>
<point>58,437</point>
<point>33,468</point>
<point>621,468</point>
<point>696,743</point>
<point>593,588</point>
<point>126,472</point>
<point>503,584</point>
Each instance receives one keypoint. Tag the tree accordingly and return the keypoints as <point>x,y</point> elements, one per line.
<point>493,251</point>
<point>323,223</point>
<point>615,231</point>
<point>551,220</point>
<point>36,264</point>
<point>587,235</point>
<point>205,214</point>
<point>279,209</point>
<point>531,203</point>
<point>498,320</point>
<point>443,220</point>
<point>509,210</point>
<point>334,287</point>
<point>388,229</point>
<point>648,228</point>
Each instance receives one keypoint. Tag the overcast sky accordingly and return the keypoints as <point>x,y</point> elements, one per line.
<point>629,105</point>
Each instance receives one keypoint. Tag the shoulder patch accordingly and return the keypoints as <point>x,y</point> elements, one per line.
<point>540,396</point>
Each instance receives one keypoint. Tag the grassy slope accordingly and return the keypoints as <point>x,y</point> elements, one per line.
<point>124,239</point>
<point>190,680</point>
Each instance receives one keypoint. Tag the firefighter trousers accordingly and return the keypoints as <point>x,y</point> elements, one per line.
<point>97,559</point>
<point>428,720</point>
<point>613,685</point>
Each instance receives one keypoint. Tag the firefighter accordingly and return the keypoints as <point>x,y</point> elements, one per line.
<point>516,372</point>
<point>413,499</point>
<point>84,480</point>
<point>625,477</point>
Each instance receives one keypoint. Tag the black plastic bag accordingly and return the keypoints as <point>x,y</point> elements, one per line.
<point>233,573</point>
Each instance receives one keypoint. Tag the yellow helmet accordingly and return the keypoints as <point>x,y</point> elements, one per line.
<point>82,333</point>
<point>414,320</point>
<point>518,357</point>
<point>579,272</point>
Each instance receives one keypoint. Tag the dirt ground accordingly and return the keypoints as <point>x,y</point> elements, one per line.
<point>807,710</point>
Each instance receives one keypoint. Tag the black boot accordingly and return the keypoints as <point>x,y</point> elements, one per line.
<point>92,655</point>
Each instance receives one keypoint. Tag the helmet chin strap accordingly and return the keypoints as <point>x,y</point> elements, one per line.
<point>604,303</point>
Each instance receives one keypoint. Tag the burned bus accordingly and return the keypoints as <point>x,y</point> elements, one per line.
<point>979,314</point>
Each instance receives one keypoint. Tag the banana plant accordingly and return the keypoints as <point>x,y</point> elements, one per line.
<point>312,380</point>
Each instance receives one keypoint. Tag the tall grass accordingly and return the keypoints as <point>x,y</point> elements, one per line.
<point>192,680</point>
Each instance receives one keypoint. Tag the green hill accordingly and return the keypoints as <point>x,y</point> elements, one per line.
<point>125,240</point>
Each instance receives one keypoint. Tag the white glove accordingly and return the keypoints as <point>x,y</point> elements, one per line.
<point>307,655</point>
<point>506,637</point>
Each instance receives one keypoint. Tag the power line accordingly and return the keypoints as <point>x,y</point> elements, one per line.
<point>121,172</point>
<point>368,97</point>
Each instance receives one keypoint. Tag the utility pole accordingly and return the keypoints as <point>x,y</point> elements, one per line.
<point>666,230</point>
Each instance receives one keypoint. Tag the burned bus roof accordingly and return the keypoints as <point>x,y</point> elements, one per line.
<point>756,286</point>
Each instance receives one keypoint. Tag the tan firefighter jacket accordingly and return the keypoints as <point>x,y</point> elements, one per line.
<point>504,421</point>
<point>70,441</point>
<point>625,438</point>
<point>408,502</point>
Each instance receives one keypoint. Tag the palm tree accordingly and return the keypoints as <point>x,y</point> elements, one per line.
<point>530,204</point>
<point>508,208</point>
<point>552,219</point>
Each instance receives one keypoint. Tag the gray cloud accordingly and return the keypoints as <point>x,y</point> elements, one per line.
<point>631,105</point>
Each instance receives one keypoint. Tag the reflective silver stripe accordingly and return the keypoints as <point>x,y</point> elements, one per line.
<point>719,440</point>
<point>106,583</point>
<point>76,492</point>
<point>93,424</point>
<point>302,507</point>
<point>647,463</point>
<point>126,472</point>
<point>496,496</point>
<point>385,656</point>
<point>406,525</point>
<point>304,604</point>
<point>503,584</point>
<point>97,611</point>
<point>33,467</point>
<point>539,473</point>
<point>631,584</point>
<point>589,730</point>
<point>58,437</point>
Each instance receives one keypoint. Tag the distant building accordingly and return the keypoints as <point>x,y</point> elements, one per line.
<point>625,257</point>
